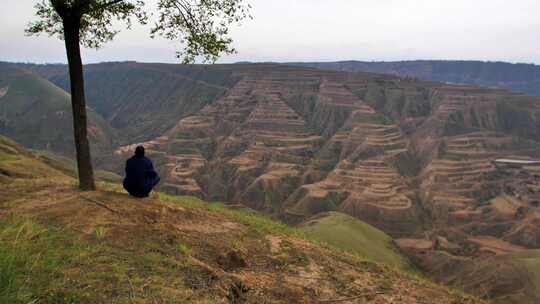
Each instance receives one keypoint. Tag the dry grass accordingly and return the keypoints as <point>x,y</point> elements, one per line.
<point>60,245</point>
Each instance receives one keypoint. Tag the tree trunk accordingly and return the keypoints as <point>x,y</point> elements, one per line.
<point>78,104</point>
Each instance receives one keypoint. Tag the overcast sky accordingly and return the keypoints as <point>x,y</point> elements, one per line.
<point>325,30</point>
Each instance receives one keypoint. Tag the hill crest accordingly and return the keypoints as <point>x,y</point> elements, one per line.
<point>168,249</point>
<point>519,77</point>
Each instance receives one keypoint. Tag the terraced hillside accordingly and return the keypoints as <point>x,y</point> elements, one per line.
<point>415,159</point>
<point>505,274</point>
<point>295,142</point>
<point>60,245</point>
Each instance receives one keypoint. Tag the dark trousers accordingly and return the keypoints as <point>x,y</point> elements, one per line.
<point>142,191</point>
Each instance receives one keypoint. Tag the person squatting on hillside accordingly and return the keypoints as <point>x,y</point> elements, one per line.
<point>141,177</point>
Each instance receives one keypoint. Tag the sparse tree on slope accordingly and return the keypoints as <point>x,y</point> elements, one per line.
<point>201,26</point>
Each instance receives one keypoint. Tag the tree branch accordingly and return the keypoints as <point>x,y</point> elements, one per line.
<point>101,204</point>
<point>104,6</point>
<point>189,23</point>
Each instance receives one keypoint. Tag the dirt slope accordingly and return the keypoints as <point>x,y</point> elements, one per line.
<point>105,247</point>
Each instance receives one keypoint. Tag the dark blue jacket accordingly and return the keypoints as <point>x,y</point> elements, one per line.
<point>140,176</point>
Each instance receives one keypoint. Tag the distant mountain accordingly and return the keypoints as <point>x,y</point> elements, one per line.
<point>516,77</point>
<point>37,113</point>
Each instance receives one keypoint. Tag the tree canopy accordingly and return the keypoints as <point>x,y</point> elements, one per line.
<point>200,26</point>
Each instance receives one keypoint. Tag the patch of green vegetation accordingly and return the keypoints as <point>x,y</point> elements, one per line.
<point>183,249</point>
<point>7,157</point>
<point>17,163</point>
<point>352,235</point>
<point>4,141</point>
<point>50,265</point>
<point>100,232</point>
<point>31,259</point>
<point>8,149</point>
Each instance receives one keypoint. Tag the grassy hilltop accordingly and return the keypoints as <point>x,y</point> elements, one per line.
<point>347,233</point>
<point>59,245</point>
